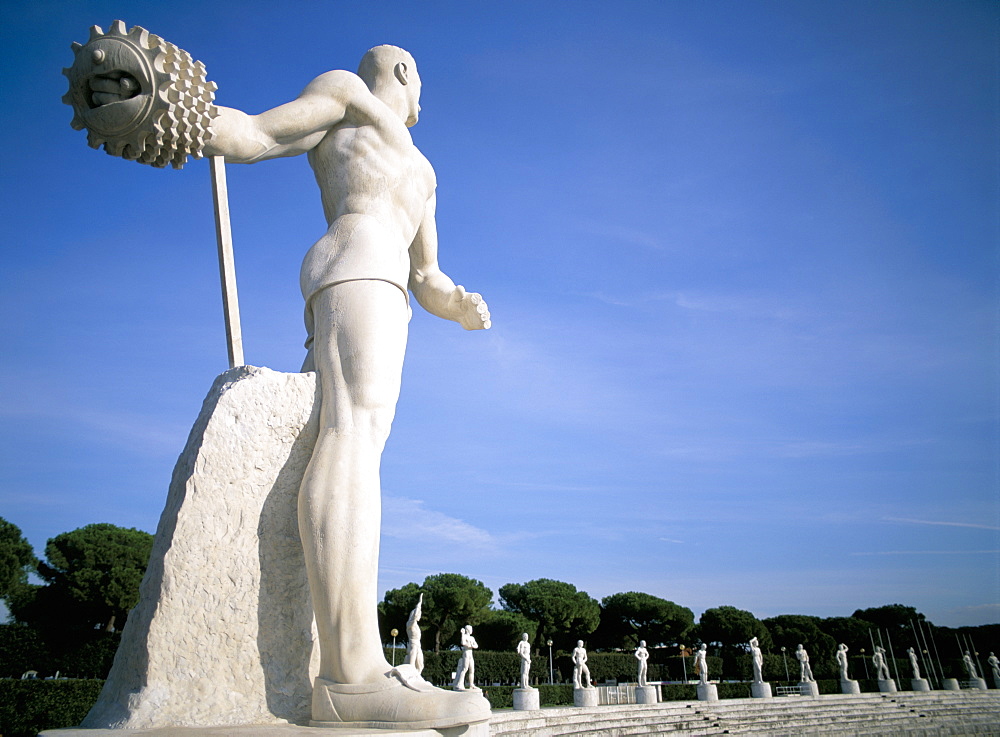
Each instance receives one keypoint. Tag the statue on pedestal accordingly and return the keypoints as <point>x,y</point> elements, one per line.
<point>524,653</point>
<point>805,670</point>
<point>881,666</point>
<point>842,661</point>
<point>701,663</point>
<point>642,655</point>
<point>914,664</point>
<point>757,657</point>
<point>581,673</point>
<point>467,663</point>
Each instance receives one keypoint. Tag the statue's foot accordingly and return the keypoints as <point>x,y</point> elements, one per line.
<point>402,700</point>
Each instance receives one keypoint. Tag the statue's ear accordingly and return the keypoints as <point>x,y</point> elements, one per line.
<point>401,72</point>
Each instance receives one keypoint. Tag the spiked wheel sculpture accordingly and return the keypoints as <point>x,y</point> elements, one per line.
<point>161,108</point>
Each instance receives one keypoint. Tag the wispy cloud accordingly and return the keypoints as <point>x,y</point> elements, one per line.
<point>408,519</point>
<point>942,523</point>
<point>669,540</point>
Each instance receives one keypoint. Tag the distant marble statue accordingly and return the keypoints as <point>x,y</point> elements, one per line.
<point>881,665</point>
<point>581,673</point>
<point>701,663</point>
<point>524,653</point>
<point>914,664</point>
<point>995,667</point>
<point>642,655</point>
<point>467,662</point>
<point>414,654</point>
<point>805,670</point>
<point>842,661</point>
<point>758,660</point>
<point>970,666</point>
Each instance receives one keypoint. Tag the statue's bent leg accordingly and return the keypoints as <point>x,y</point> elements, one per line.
<point>360,339</point>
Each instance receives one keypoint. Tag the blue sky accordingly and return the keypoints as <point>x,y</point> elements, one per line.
<point>742,260</point>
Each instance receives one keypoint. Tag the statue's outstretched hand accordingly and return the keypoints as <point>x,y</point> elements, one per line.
<point>471,310</point>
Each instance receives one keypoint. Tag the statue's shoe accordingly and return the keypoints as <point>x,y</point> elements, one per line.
<point>402,700</point>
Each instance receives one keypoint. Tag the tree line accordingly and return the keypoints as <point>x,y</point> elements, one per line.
<point>91,576</point>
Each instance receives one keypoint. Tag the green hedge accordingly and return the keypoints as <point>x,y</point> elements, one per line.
<point>28,707</point>
<point>502,697</point>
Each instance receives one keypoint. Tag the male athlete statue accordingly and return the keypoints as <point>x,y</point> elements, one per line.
<point>378,196</point>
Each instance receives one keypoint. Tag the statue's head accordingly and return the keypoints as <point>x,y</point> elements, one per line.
<point>392,68</point>
<point>841,646</point>
<point>468,629</point>
<point>642,643</point>
<point>579,643</point>
<point>525,637</point>
<point>753,642</point>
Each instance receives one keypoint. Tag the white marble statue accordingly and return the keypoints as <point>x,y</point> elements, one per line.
<point>467,663</point>
<point>995,667</point>
<point>581,673</point>
<point>701,663</point>
<point>805,670</point>
<point>524,653</point>
<point>970,666</point>
<point>881,665</point>
<point>378,194</point>
<point>414,653</point>
<point>914,663</point>
<point>757,657</point>
<point>842,661</point>
<point>642,655</point>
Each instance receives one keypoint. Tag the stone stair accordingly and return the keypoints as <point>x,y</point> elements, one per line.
<point>905,714</point>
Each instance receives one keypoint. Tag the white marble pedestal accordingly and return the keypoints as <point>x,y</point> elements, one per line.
<point>526,699</point>
<point>584,697</point>
<point>950,684</point>
<point>708,692</point>
<point>760,690</point>
<point>850,687</point>
<point>645,694</point>
<point>979,683</point>
<point>888,686</point>
<point>919,684</point>
<point>809,688</point>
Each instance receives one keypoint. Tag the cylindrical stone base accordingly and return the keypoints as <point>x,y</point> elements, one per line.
<point>809,688</point>
<point>708,692</point>
<point>850,687</point>
<point>888,686</point>
<point>919,684</point>
<point>979,683</point>
<point>584,697</point>
<point>645,694</point>
<point>526,699</point>
<point>950,684</point>
<point>760,690</point>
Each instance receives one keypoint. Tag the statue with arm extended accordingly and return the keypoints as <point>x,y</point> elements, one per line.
<point>414,654</point>
<point>378,194</point>
<point>842,661</point>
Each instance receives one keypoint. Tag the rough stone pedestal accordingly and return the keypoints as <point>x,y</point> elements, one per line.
<point>850,687</point>
<point>584,697</point>
<point>888,686</point>
<point>979,683</point>
<point>919,684</point>
<point>526,699</point>
<point>645,695</point>
<point>809,688</point>
<point>950,684</point>
<point>760,690</point>
<point>708,692</point>
<point>222,634</point>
